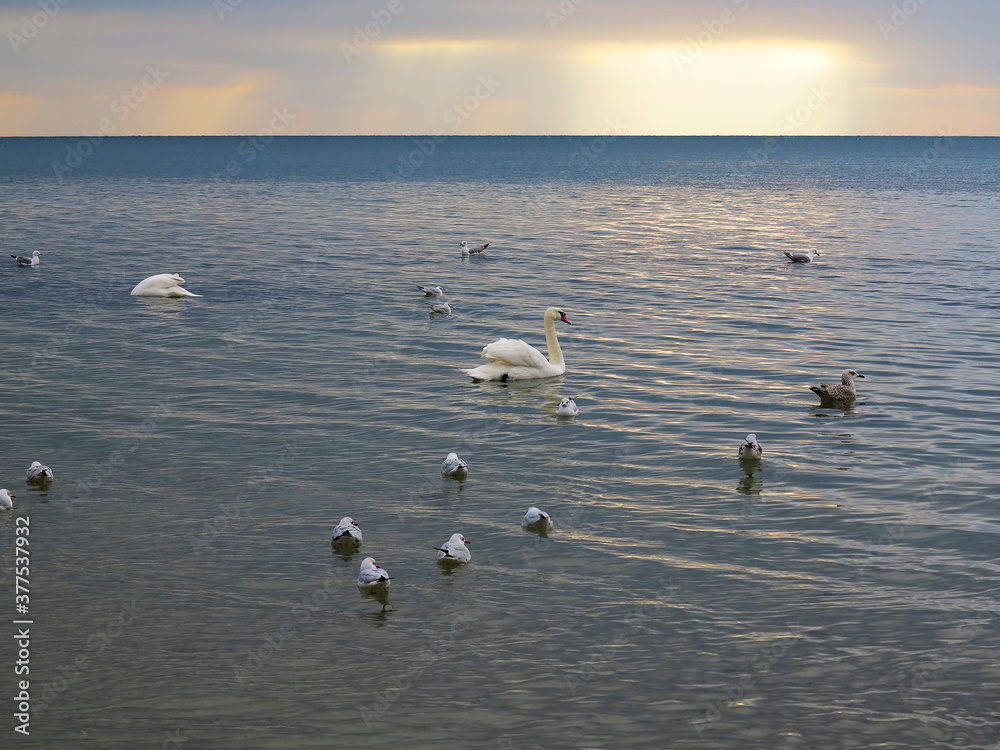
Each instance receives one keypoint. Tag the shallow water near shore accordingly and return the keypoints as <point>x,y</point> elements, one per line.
<point>843,592</point>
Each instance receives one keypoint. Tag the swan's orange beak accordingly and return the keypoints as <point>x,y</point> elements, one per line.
<point>564,319</point>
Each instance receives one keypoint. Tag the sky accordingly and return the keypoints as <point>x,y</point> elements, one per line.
<point>508,67</point>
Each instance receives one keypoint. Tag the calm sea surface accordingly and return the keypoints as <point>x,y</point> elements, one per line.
<point>182,584</point>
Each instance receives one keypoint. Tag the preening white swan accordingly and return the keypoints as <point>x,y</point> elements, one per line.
<point>512,359</point>
<point>162,285</point>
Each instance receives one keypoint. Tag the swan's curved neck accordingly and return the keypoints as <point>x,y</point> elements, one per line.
<point>552,342</point>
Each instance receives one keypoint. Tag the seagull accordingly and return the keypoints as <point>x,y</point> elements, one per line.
<point>800,257</point>
<point>751,450</point>
<point>568,407</point>
<point>31,261</point>
<point>371,577</point>
<point>477,250</point>
<point>346,533</point>
<point>39,473</point>
<point>842,391</point>
<point>441,307</point>
<point>5,502</point>
<point>431,291</point>
<point>453,466</point>
<point>535,516</point>
<point>454,550</point>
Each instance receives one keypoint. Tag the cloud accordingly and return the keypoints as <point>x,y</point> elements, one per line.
<point>565,65</point>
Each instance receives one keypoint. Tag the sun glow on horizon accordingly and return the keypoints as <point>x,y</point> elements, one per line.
<point>756,88</point>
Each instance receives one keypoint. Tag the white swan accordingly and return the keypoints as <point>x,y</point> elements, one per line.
<point>162,285</point>
<point>512,359</point>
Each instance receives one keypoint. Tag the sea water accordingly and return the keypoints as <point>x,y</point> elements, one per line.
<point>183,590</point>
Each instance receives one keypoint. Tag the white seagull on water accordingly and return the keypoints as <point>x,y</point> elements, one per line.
<point>568,407</point>
<point>5,502</point>
<point>474,250</point>
<point>346,533</point>
<point>800,257</point>
<point>454,550</point>
<point>32,260</point>
<point>534,516</point>
<point>371,577</point>
<point>431,291</point>
<point>453,466</point>
<point>751,449</point>
<point>38,473</point>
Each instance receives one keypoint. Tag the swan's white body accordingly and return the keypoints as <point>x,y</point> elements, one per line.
<point>568,408</point>
<point>751,449</point>
<point>535,516</point>
<point>800,257</point>
<point>162,285</point>
<point>346,533</point>
<point>31,260</point>
<point>512,359</point>
<point>371,577</point>
<point>454,550</point>
<point>5,500</point>
<point>38,472</point>
<point>453,466</point>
